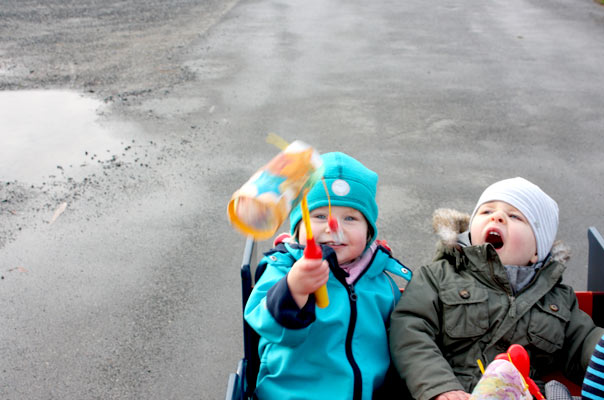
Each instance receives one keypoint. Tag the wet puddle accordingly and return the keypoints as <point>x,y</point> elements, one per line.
<point>48,133</point>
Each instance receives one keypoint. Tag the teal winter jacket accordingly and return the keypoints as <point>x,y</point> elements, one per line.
<point>338,352</point>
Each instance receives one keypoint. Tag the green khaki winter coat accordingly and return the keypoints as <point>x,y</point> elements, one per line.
<point>461,308</point>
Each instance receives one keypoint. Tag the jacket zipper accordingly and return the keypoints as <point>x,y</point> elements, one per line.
<point>358,382</point>
<point>512,306</point>
<point>352,297</point>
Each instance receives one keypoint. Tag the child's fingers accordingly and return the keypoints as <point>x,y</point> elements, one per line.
<point>306,276</point>
<point>324,273</point>
<point>311,264</point>
<point>459,395</point>
<point>319,273</point>
<point>453,395</point>
<point>316,273</point>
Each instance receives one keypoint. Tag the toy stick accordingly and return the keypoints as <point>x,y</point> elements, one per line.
<point>480,366</point>
<point>260,206</point>
<point>313,251</point>
<point>278,141</point>
<point>333,223</point>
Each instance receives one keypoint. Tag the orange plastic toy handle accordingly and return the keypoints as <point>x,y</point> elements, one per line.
<point>313,251</point>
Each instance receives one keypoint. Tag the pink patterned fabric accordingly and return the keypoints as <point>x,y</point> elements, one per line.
<point>501,381</point>
<point>354,268</point>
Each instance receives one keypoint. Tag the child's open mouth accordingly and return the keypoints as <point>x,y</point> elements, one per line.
<point>495,239</point>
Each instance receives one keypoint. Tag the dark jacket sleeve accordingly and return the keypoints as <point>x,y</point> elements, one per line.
<point>415,326</point>
<point>284,309</point>
<point>581,337</point>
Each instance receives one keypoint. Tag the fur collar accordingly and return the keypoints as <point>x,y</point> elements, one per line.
<point>449,223</point>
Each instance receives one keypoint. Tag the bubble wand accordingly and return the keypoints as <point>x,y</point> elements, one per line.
<point>333,223</point>
<point>313,251</point>
<point>261,205</point>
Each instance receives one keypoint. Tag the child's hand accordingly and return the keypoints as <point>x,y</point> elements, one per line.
<point>453,395</point>
<point>305,277</point>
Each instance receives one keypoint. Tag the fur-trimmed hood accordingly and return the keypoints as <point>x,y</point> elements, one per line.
<point>448,224</point>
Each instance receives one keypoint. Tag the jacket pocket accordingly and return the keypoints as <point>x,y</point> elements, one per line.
<point>465,311</point>
<point>547,325</point>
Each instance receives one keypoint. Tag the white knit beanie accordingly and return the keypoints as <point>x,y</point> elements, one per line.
<point>540,210</point>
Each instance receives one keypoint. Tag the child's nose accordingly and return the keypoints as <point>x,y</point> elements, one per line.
<point>497,216</point>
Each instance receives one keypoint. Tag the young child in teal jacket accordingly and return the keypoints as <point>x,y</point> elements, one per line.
<point>341,351</point>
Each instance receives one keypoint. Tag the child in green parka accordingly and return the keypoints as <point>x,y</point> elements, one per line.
<point>496,281</point>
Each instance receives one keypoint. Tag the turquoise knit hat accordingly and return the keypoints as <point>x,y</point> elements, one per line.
<point>350,184</point>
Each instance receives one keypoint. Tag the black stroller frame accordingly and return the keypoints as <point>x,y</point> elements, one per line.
<point>241,384</point>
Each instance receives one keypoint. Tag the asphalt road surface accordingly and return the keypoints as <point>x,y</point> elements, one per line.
<point>119,270</point>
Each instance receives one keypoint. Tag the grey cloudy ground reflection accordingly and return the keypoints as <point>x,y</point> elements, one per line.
<point>48,133</point>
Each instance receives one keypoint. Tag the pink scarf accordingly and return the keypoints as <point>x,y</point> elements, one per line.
<point>355,267</point>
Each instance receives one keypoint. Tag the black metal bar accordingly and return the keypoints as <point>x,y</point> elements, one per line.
<point>595,264</point>
<point>250,343</point>
<point>598,308</point>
